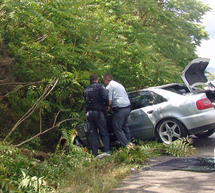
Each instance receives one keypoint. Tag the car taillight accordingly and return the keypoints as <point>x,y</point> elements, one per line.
<point>204,104</point>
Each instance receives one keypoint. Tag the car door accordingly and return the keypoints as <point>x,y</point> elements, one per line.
<point>139,121</point>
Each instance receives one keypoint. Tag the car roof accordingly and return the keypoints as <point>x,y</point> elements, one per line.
<point>155,87</point>
<point>160,90</point>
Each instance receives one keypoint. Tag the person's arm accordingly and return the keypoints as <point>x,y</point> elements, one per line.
<point>110,94</point>
<point>104,95</point>
<point>108,108</point>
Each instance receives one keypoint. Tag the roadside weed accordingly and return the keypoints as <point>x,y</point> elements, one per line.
<point>180,148</point>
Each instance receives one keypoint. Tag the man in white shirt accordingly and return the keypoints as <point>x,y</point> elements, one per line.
<point>120,103</point>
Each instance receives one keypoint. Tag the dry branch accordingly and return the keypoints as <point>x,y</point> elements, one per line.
<point>45,131</point>
<point>46,92</point>
<point>54,123</point>
<point>42,38</point>
<point>20,83</point>
<point>40,115</point>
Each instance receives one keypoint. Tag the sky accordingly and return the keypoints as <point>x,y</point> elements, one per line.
<point>207,48</point>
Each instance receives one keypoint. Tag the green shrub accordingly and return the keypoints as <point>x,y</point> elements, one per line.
<point>180,148</point>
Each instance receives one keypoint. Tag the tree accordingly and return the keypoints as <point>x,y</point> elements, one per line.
<point>141,42</point>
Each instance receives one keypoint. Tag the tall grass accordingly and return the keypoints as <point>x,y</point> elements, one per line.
<point>77,171</point>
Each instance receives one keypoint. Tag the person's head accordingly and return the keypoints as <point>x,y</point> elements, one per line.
<point>107,78</point>
<point>94,78</point>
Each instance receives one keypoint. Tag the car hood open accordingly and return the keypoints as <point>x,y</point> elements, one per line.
<point>194,73</point>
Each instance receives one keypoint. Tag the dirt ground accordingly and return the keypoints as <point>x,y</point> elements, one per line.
<point>161,177</point>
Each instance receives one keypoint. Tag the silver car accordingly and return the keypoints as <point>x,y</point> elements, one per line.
<point>172,111</point>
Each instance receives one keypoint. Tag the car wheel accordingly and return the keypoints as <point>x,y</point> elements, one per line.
<point>205,133</point>
<point>169,130</point>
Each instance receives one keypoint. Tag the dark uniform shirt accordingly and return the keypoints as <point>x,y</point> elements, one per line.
<point>96,97</point>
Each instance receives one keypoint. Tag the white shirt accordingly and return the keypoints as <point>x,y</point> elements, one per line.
<point>117,94</point>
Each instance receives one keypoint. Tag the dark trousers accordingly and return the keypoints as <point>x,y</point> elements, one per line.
<point>97,125</point>
<point>120,128</point>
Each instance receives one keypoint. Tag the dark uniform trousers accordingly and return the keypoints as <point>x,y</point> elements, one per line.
<point>120,128</point>
<point>97,125</point>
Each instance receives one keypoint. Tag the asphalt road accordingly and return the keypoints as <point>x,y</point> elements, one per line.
<point>205,147</point>
<point>164,179</point>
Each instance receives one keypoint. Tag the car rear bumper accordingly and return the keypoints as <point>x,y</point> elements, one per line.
<point>201,129</point>
<point>200,122</point>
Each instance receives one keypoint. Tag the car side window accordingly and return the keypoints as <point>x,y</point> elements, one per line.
<point>144,98</point>
<point>141,99</point>
<point>158,99</point>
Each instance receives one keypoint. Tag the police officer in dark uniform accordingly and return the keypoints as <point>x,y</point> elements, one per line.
<point>96,102</point>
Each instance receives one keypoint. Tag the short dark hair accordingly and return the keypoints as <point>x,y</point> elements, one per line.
<point>93,78</point>
<point>108,77</point>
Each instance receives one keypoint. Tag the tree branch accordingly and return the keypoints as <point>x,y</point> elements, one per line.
<point>42,38</point>
<point>47,130</point>
<point>32,109</point>
<point>20,83</point>
<point>40,115</point>
<point>54,122</point>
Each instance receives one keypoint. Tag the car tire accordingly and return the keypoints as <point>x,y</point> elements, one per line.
<point>169,130</point>
<point>205,134</point>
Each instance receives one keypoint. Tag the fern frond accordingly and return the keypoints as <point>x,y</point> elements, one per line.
<point>180,148</point>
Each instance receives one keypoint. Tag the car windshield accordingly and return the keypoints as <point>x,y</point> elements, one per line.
<point>177,88</point>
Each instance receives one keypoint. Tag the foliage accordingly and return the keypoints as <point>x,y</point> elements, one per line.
<point>67,138</point>
<point>6,185</point>
<point>24,172</point>
<point>21,171</point>
<point>32,184</point>
<point>10,167</point>
<point>142,43</point>
<point>57,167</point>
<point>180,148</point>
<point>136,154</point>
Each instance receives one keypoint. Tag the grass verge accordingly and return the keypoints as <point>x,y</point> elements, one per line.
<point>76,171</point>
